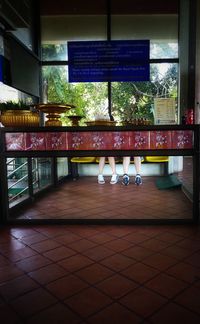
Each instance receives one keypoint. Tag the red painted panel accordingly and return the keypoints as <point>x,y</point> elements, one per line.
<point>160,140</point>
<point>36,141</point>
<point>140,140</point>
<point>15,141</point>
<point>182,139</point>
<point>56,141</point>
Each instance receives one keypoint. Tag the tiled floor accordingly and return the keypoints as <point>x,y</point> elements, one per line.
<point>86,199</point>
<point>100,274</point>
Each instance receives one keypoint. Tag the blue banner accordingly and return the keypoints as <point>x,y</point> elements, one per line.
<point>103,61</point>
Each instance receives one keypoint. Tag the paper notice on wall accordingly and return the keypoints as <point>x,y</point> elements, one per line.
<point>164,111</point>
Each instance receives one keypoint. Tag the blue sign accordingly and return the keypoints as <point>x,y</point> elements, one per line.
<point>103,61</point>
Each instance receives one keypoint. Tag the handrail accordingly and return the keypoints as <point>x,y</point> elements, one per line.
<point>17,169</point>
<point>26,176</point>
<point>19,193</point>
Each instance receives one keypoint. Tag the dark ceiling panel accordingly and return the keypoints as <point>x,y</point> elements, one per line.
<point>80,7</point>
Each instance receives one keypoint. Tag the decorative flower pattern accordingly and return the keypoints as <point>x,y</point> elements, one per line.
<point>108,140</point>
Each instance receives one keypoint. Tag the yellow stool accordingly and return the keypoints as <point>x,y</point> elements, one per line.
<point>156,159</point>
<point>117,160</point>
<point>83,159</point>
<point>159,159</point>
<point>74,164</point>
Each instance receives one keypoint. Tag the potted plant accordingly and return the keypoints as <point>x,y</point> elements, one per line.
<point>15,114</point>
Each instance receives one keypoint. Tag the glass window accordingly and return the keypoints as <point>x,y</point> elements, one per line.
<point>134,101</point>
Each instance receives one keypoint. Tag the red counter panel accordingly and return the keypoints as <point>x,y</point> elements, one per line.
<point>99,140</point>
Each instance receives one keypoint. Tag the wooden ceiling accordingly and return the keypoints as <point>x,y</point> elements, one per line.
<point>92,7</point>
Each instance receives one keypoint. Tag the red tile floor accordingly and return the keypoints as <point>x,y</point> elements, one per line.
<point>100,274</point>
<point>86,199</point>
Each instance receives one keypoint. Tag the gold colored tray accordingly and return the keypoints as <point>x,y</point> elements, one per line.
<point>101,123</point>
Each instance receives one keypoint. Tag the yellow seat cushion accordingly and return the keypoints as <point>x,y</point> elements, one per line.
<point>156,158</point>
<point>83,159</point>
<point>117,160</point>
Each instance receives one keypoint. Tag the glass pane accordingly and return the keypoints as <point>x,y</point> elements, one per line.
<point>134,101</point>
<point>164,41</point>
<point>166,181</point>
<point>163,49</point>
<point>62,167</point>
<point>17,177</point>
<point>41,173</point>
<point>54,52</point>
<point>62,28</point>
<point>90,99</point>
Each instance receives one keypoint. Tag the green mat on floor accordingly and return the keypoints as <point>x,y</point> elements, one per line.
<point>168,182</point>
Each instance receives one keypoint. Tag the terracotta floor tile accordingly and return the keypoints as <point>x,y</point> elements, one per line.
<point>101,238</point>
<point>117,262</point>
<point>118,245</point>
<point>88,302</point>
<point>75,263</point>
<point>20,254</point>
<point>116,286</point>
<point>48,274</point>
<point>82,245</point>
<point>44,246</point>
<point>155,245</point>
<point>185,272</point>
<point>33,302</point>
<point>9,272</point>
<point>174,314</point>
<point>35,238</point>
<point>177,252</point>
<point>166,286</point>
<point>59,253</point>
<point>98,253</point>
<point>58,313</point>
<point>140,272</point>
<point>66,286</point>
<point>69,237</point>
<point>16,287</point>
<point>33,263</point>
<point>194,259</point>
<point>143,301</point>
<point>160,261</point>
<point>138,253</point>
<point>94,273</point>
<point>190,298</point>
<point>169,237</point>
<point>8,315</point>
<point>115,314</point>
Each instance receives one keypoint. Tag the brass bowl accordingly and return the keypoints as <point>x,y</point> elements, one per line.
<point>18,118</point>
<point>53,112</point>
<point>75,120</point>
<point>101,122</point>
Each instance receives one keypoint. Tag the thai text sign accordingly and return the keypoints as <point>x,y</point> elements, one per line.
<point>103,61</point>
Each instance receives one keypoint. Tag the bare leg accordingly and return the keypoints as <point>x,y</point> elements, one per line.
<point>111,161</point>
<point>126,162</point>
<point>101,164</point>
<point>137,162</point>
<point>101,167</point>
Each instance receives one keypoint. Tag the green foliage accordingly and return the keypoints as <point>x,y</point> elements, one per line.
<point>12,105</point>
<point>130,100</point>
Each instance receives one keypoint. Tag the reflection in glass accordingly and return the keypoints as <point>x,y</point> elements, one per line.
<point>41,173</point>
<point>62,167</point>
<point>17,179</point>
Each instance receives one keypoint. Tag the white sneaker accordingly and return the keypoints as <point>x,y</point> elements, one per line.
<point>101,179</point>
<point>114,179</point>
